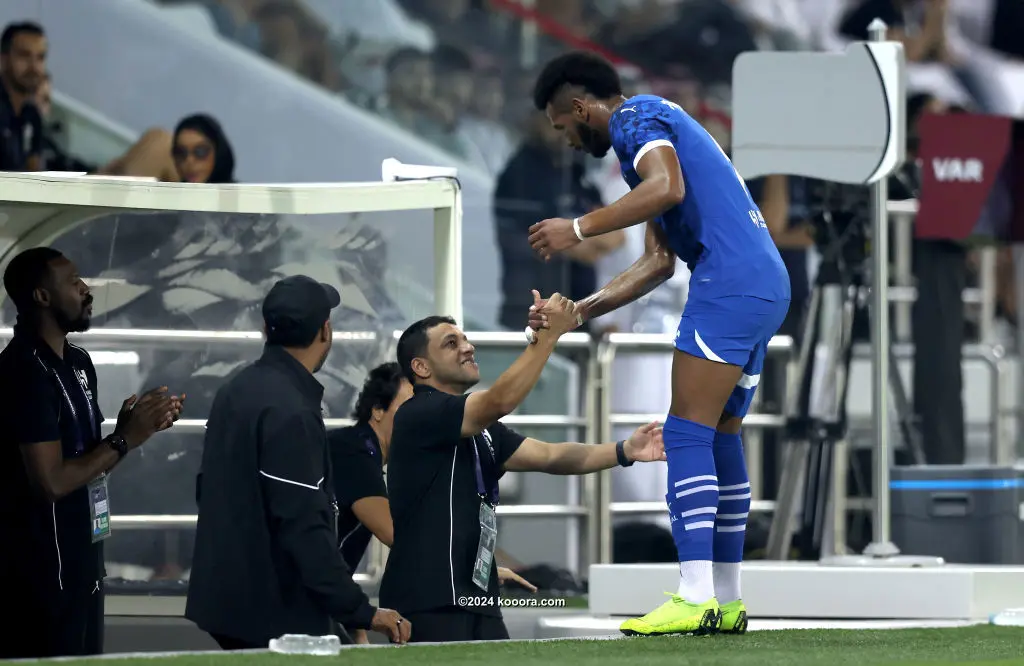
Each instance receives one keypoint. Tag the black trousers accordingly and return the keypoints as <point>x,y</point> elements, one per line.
<point>229,643</point>
<point>69,624</point>
<point>451,625</point>
<point>940,270</point>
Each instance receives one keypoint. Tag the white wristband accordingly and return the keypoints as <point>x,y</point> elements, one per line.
<point>576,228</point>
<point>531,336</point>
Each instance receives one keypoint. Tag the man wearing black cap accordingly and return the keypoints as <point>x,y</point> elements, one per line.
<point>266,561</point>
<point>54,463</point>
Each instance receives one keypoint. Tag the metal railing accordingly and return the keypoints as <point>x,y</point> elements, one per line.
<point>595,511</point>
<point>580,344</point>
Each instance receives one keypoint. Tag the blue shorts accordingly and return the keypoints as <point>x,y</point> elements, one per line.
<point>734,330</point>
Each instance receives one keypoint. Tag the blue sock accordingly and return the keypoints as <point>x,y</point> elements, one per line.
<point>733,509</point>
<point>692,501</point>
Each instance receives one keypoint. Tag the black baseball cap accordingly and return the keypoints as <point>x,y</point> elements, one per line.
<point>295,309</point>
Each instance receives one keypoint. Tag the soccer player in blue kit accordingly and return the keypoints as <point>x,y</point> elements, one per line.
<point>697,208</point>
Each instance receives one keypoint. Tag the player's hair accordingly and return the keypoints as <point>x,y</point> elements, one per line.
<point>414,341</point>
<point>379,391</point>
<point>14,29</point>
<point>27,272</point>
<point>588,71</point>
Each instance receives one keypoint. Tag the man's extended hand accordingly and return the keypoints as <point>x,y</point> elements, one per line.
<point>538,319</point>
<point>540,312</point>
<point>505,575</point>
<point>646,444</point>
<point>392,625</point>
<point>549,237</point>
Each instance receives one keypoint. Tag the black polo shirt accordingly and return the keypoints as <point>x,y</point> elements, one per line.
<point>435,506</point>
<point>48,547</point>
<point>358,467</point>
<point>266,560</point>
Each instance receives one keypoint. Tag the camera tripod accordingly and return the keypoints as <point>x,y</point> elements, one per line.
<point>816,394</point>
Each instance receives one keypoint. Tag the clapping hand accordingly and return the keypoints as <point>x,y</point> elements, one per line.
<point>139,418</point>
<point>646,444</point>
<point>177,405</point>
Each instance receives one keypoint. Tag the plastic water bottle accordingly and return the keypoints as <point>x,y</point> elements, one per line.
<point>1011,617</point>
<point>325,646</point>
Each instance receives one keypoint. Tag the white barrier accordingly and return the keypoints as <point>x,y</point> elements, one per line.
<point>35,209</point>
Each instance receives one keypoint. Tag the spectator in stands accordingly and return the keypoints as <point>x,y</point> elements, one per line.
<point>922,42</point>
<point>943,62</point>
<point>460,23</point>
<point>490,139</point>
<point>777,24</point>
<point>995,24</point>
<point>411,101</point>
<point>296,40</point>
<point>233,19</point>
<point>544,179</point>
<point>202,152</point>
<point>453,92</point>
<point>704,36</point>
<point>22,70</point>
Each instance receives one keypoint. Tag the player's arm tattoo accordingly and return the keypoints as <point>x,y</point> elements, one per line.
<point>662,188</point>
<point>656,265</point>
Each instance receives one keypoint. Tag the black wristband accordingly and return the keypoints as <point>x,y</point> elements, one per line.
<point>620,453</point>
<point>118,443</point>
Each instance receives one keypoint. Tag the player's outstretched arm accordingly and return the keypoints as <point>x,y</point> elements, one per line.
<point>655,266</point>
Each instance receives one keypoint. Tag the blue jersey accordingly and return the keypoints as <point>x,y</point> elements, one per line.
<point>717,230</point>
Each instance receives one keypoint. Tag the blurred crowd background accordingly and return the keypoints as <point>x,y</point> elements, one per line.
<point>457,74</point>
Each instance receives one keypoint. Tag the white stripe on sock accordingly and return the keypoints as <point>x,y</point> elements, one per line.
<point>733,516</point>
<point>728,528</point>
<point>701,511</point>
<point>702,524</point>
<point>738,486</point>
<point>728,498</point>
<point>698,489</point>
<point>695,479</point>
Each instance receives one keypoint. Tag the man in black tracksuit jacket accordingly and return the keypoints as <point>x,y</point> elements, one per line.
<point>266,560</point>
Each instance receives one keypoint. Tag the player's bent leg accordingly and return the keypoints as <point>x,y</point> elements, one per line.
<point>734,496</point>
<point>700,388</point>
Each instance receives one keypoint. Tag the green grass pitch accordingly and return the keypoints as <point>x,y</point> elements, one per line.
<point>980,645</point>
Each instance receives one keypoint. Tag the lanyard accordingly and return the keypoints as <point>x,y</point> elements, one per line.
<point>488,495</point>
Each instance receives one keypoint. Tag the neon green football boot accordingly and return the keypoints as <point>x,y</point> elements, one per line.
<point>676,616</point>
<point>734,618</point>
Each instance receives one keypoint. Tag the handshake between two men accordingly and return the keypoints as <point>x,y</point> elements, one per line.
<point>554,317</point>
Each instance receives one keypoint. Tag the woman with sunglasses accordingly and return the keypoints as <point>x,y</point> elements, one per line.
<point>201,152</point>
